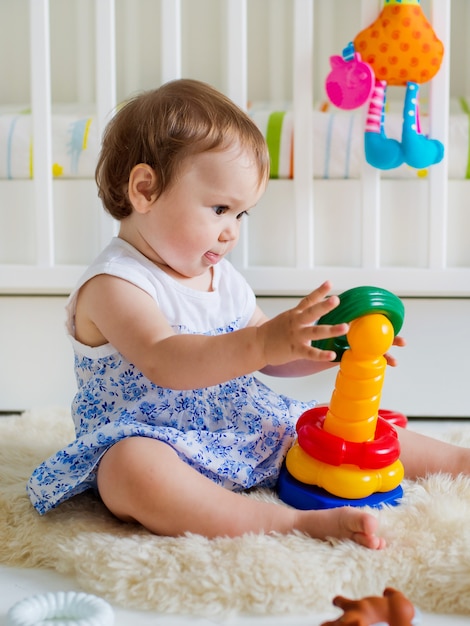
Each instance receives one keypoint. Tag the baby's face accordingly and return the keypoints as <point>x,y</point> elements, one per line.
<point>196,222</point>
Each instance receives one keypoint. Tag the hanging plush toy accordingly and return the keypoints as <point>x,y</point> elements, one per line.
<point>399,48</point>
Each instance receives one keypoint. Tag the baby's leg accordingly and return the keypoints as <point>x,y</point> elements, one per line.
<point>142,479</point>
<point>422,455</point>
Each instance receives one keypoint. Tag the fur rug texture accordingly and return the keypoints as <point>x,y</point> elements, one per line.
<point>427,558</point>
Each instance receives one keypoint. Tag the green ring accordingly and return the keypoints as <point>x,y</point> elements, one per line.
<point>355,303</point>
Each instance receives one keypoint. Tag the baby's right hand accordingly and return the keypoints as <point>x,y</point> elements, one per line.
<point>288,336</point>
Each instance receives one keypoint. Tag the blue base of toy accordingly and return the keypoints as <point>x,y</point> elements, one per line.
<point>308,497</point>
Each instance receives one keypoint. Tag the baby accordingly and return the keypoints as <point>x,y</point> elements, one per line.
<point>171,422</point>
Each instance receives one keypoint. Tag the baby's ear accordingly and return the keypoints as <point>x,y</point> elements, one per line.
<point>142,185</point>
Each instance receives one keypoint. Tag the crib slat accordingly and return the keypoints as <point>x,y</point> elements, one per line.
<point>235,31</point>
<point>370,178</point>
<point>439,129</point>
<point>133,70</point>
<point>277,51</point>
<point>371,201</point>
<point>171,39</point>
<point>303,131</point>
<point>105,61</point>
<point>42,131</point>
<point>105,33</point>
<point>84,62</point>
<point>237,55</point>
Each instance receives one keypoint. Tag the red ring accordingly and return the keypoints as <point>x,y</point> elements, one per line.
<point>323,446</point>
<point>394,417</point>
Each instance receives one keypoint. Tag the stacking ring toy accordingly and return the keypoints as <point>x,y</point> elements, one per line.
<point>344,481</point>
<point>357,302</point>
<point>383,450</point>
<point>61,609</point>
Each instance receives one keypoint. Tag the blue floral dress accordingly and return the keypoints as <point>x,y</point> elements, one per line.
<point>236,433</point>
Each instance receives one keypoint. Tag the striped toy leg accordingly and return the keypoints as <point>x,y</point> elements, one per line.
<point>380,151</point>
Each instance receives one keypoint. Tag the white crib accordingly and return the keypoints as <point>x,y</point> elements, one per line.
<point>408,234</point>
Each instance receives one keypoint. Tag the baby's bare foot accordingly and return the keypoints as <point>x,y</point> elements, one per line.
<point>362,528</point>
<point>342,523</point>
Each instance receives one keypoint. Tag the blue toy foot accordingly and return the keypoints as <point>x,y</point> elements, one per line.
<point>382,152</point>
<point>420,152</point>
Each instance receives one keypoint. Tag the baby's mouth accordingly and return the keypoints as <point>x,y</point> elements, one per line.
<point>213,257</point>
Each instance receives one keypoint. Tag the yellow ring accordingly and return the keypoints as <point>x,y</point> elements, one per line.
<point>344,481</point>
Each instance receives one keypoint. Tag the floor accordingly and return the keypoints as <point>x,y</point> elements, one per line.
<point>16,584</point>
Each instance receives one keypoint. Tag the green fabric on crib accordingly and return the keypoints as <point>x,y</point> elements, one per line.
<point>466,109</point>
<point>273,139</point>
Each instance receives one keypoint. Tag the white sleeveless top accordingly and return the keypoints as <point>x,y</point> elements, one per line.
<point>236,433</point>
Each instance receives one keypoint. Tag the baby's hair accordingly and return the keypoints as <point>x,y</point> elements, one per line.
<point>163,127</point>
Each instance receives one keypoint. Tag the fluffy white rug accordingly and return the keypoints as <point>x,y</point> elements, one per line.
<point>427,558</point>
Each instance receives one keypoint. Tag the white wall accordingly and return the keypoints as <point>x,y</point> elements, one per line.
<point>36,358</point>
<point>432,379</point>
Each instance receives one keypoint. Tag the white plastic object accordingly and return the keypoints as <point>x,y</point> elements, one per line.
<point>64,608</point>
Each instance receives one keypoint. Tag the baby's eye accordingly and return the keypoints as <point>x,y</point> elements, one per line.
<point>240,215</point>
<point>220,209</point>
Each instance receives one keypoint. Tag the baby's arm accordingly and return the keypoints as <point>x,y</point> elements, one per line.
<point>113,310</point>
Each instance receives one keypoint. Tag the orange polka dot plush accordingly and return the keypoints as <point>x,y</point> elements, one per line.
<point>401,48</point>
<point>401,45</point>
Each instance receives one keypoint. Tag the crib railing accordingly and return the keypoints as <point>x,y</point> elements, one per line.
<point>303,269</point>
<point>434,277</point>
<point>45,274</point>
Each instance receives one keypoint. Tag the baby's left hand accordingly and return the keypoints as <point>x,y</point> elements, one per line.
<point>391,360</point>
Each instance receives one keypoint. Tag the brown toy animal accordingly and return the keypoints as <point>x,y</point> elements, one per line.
<point>392,608</point>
